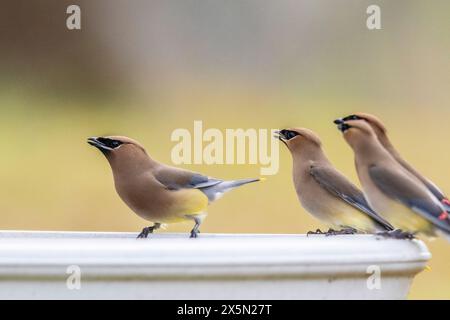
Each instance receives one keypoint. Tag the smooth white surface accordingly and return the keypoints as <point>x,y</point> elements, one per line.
<point>213,266</point>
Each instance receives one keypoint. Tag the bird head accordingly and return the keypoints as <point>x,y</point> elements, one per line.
<point>105,144</point>
<point>118,148</point>
<point>298,138</point>
<point>373,121</point>
<point>355,131</point>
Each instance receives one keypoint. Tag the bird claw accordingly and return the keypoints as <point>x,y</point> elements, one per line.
<point>194,234</point>
<point>332,232</point>
<point>397,234</point>
<point>318,231</point>
<point>196,230</point>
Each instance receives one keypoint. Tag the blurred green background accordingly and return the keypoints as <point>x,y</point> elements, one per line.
<point>145,68</point>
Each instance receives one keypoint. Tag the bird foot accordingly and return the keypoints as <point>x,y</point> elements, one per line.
<point>194,234</point>
<point>332,232</point>
<point>397,234</point>
<point>145,232</point>
<point>318,231</point>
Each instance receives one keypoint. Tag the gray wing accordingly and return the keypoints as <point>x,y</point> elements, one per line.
<point>174,178</point>
<point>405,190</point>
<point>338,185</point>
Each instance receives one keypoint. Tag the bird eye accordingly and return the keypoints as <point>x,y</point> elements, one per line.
<point>291,134</point>
<point>110,142</point>
<point>288,134</point>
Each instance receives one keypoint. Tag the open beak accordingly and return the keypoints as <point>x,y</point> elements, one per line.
<point>93,141</point>
<point>279,135</point>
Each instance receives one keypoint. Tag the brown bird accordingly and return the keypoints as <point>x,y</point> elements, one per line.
<point>325,192</point>
<point>381,132</point>
<point>157,192</point>
<point>391,190</point>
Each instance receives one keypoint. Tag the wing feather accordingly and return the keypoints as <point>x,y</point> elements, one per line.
<point>175,178</point>
<point>405,189</point>
<point>338,185</point>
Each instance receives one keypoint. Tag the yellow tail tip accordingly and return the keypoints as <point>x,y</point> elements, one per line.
<point>262,179</point>
<point>428,268</point>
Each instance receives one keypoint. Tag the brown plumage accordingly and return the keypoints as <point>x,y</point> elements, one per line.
<point>325,192</point>
<point>381,133</point>
<point>157,192</point>
<point>391,190</point>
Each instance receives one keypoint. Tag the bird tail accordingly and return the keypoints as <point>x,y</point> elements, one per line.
<point>231,184</point>
<point>216,191</point>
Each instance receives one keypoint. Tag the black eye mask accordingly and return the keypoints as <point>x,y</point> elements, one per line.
<point>110,142</point>
<point>352,117</point>
<point>288,134</point>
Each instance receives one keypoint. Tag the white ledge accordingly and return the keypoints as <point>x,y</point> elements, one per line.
<point>214,266</point>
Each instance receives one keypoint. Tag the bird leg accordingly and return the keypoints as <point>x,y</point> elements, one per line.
<point>318,231</point>
<point>349,230</point>
<point>397,234</point>
<point>147,230</point>
<point>195,231</point>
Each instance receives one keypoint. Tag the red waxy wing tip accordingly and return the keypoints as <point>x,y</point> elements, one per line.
<point>443,216</point>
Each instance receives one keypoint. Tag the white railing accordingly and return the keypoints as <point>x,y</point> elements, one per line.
<point>82,265</point>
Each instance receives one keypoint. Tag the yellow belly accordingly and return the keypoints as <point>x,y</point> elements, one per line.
<point>351,217</point>
<point>186,204</point>
<point>338,214</point>
<point>401,217</point>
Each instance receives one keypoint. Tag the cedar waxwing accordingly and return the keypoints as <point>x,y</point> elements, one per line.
<point>325,192</point>
<point>380,131</point>
<point>390,189</point>
<point>157,192</point>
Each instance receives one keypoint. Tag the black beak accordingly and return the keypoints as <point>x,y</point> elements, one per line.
<point>338,121</point>
<point>280,136</point>
<point>93,141</point>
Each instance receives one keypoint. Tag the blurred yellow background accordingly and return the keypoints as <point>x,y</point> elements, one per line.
<point>144,69</point>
